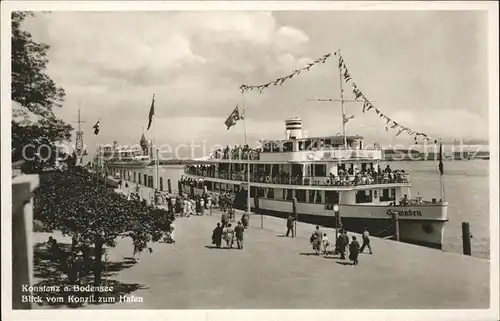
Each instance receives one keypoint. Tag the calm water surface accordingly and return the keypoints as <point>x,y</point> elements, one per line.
<point>466,187</point>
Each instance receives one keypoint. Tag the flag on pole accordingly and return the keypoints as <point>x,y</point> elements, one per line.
<point>151,112</point>
<point>233,118</point>
<point>346,119</point>
<point>96,128</point>
<point>440,166</point>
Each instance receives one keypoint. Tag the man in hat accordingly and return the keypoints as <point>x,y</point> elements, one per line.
<point>77,266</point>
<point>239,231</point>
<point>289,224</point>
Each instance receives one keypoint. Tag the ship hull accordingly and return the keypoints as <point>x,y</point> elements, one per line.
<point>421,224</point>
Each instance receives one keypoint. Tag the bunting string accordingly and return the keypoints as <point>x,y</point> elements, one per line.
<point>367,105</point>
<point>280,81</point>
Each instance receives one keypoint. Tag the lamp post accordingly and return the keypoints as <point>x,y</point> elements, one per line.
<point>336,209</point>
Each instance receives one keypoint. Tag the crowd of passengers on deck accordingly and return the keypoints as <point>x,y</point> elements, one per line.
<point>236,152</point>
<point>350,177</point>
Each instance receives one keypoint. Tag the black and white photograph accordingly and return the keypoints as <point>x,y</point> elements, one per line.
<point>235,156</point>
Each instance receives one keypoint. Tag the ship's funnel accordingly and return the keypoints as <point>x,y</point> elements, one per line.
<point>293,128</point>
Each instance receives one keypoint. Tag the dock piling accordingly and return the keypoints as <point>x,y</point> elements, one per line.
<point>295,214</point>
<point>169,186</point>
<point>337,224</point>
<point>395,222</point>
<point>466,236</point>
<point>179,186</point>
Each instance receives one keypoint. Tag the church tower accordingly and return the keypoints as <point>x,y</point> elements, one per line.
<point>144,144</point>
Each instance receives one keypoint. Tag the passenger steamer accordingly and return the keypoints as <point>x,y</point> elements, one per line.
<point>321,172</point>
<point>122,156</point>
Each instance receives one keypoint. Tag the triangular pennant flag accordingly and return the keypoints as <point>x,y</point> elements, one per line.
<point>347,76</point>
<point>341,62</point>
<point>400,130</point>
<point>366,103</point>
<point>394,125</point>
<point>151,112</point>
<point>96,128</point>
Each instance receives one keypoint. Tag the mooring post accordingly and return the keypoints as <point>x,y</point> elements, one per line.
<point>295,215</point>
<point>169,185</point>
<point>466,238</point>
<point>336,210</point>
<point>179,186</point>
<point>395,222</point>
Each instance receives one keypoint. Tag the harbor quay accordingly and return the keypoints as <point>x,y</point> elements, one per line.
<point>277,272</point>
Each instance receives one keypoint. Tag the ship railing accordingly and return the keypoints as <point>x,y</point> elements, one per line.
<point>349,180</point>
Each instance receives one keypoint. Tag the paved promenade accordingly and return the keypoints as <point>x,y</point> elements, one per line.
<point>275,272</point>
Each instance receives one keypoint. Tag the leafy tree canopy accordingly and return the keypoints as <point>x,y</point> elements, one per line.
<point>35,94</point>
<point>71,203</point>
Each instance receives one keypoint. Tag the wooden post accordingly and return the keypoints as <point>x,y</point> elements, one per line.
<point>169,185</point>
<point>395,222</point>
<point>257,207</point>
<point>337,221</point>
<point>466,238</point>
<point>161,183</point>
<point>179,186</point>
<point>295,214</point>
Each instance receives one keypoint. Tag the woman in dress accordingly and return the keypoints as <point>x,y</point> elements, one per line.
<point>354,251</point>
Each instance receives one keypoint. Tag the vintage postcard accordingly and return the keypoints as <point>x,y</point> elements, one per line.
<point>250,160</point>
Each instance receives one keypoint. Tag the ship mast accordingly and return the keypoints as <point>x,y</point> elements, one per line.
<point>342,105</point>
<point>79,148</point>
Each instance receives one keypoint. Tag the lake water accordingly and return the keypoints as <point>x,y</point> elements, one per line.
<point>466,187</point>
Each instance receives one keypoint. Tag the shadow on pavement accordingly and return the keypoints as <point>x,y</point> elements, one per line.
<point>343,263</point>
<point>309,254</point>
<point>53,273</point>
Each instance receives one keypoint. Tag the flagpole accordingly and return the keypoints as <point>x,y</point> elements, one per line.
<point>157,162</point>
<point>342,104</point>
<point>248,152</point>
<point>441,170</point>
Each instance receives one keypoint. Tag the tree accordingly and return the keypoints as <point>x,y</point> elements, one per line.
<point>35,128</point>
<point>70,203</point>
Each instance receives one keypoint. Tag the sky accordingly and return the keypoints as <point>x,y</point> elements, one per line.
<point>424,69</point>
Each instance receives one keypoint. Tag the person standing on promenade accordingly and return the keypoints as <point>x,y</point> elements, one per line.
<point>224,219</point>
<point>222,204</point>
<point>316,240</point>
<point>326,242</point>
<point>209,204</point>
<point>185,207</point>
<point>353,251</point>
<point>289,224</point>
<point>202,206</point>
<point>245,219</point>
<point>366,241</point>
<point>340,245</point>
<point>216,200</point>
<point>229,236</point>
<point>197,205</point>
<point>217,236</point>
<point>172,232</point>
<point>239,230</point>
<point>346,241</point>
<point>231,211</point>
